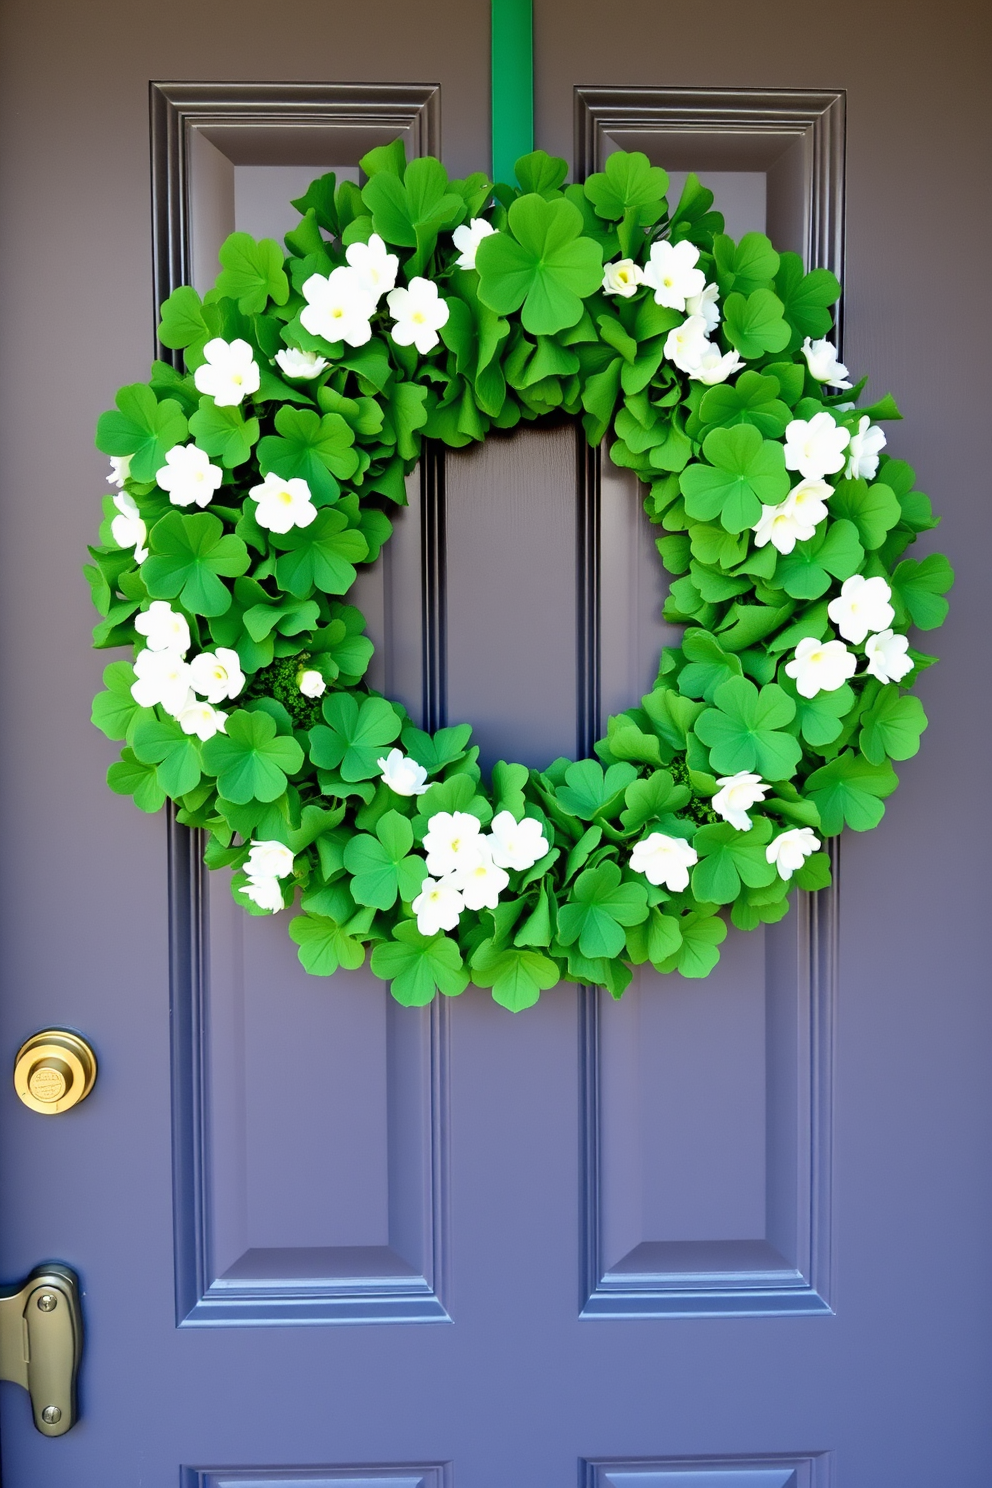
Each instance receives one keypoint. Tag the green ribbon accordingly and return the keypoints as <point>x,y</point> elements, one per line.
<point>513,84</point>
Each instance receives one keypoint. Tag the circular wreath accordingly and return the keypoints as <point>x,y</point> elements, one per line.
<point>252,481</point>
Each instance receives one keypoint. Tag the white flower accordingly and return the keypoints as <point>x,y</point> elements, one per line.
<point>815,447</point>
<point>887,658</point>
<point>419,313</point>
<point>452,842</point>
<point>516,844</point>
<point>807,500</point>
<point>120,469</point>
<point>283,504</point>
<point>162,677</point>
<point>687,343</point>
<point>862,606</point>
<point>820,666</point>
<point>217,674</point>
<point>705,305</point>
<point>437,906</point>
<point>338,308</point>
<point>128,530</point>
<point>202,720</point>
<point>188,476</point>
<point>375,269</point>
<point>311,683</point>
<point>790,850</point>
<point>740,792</point>
<point>300,364</point>
<point>821,359</point>
<point>269,859</point>
<point>481,884</point>
<point>671,273</point>
<point>403,774</point>
<point>230,372</point>
<point>265,892</point>
<point>162,628</point>
<point>794,519</point>
<point>664,860</point>
<point>467,239</point>
<point>713,365</point>
<point>622,277</point>
<point>864,451</point>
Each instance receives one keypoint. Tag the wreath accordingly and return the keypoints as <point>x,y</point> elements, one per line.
<point>256,473</point>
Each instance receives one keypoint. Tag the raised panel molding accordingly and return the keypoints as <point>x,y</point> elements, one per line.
<point>280,124</point>
<point>797,139</point>
<point>392,1475</point>
<point>806,1470</point>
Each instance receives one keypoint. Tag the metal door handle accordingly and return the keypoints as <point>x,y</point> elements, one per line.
<point>41,1340</point>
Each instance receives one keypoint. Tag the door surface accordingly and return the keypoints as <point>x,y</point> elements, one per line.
<point>722,1234</point>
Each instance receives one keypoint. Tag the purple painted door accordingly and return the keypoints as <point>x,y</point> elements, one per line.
<point>723,1234</point>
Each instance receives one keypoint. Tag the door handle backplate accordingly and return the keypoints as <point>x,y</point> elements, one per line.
<point>41,1341</point>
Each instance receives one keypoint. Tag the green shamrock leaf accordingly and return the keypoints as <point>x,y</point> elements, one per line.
<point>546,266</point>
<point>917,588</point>
<point>163,743</point>
<point>310,448</point>
<point>189,558</point>
<point>851,789</point>
<point>743,730</point>
<point>630,191</point>
<point>653,796</point>
<point>654,939</point>
<point>129,776</point>
<point>186,322</point>
<point>381,867</point>
<point>728,857</point>
<point>252,273</point>
<point>698,953</point>
<point>320,556</point>
<point>418,965</point>
<point>115,710</point>
<point>588,792</point>
<point>834,550</point>
<point>873,510</point>
<point>325,945</point>
<point>752,399</point>
<point>598,908</point>
<point>709,665</point>
<point>892,726</point>
<point>410,212</point>
<point>251,761</point>
<point>341,649</point>
<point>517,976</point>
<point>745,266</point>
<point>744,473</point>
<point>355,735</point>
<point>819,719</point>
<point>805,298</point>
<point>755,325</point>
<point>436,751</point>
<point>541,173</point>
<point>224,433</point>
<point>142,428</point>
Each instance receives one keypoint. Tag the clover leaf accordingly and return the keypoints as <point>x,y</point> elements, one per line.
<point>143,428</point>
<point>412,211</point>
<point>325,945</point>
<point>355,735</point>
<point>224,433</point>
<point>819,719</point>
<point>745,266</point>
<point>874,510</point>
<point>651,797</point>
<point>589,792</point>
<point>418,965</point>
<point>321,556</point>
<point>630,191</point>
<point>752,399</point>
<point>834,550</point>
<point>728,857</point>
<point>189,557</point>
<point>381,867</point>
<point>436,751</point>
<point>541,172</point>
<point>252,273</point>
<point>917,590</point>
<point>655,939</point>
<point>546,266</point>
<point>129,776</point>
<point>805,297</point>
<point>851,789</point>
<point>163,743</point>
<point>702,934</point>
<point>517,976</point>
<point>755,325</point>
<point>598,908</point>
<point>115,710</point>
<point>312,448</point>
<point>708,665</point>
<point>743,730</point>
<point>892,726</point>
<point>744,473</point>
<point>186,322</point>
<point>250,760</point>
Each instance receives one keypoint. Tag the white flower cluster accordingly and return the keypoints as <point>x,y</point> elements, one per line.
<point>341,305</point>
<point>678,284</point>
<point>466,867</point>
<point>166,678</point>
<point>267,863</point>
<point>863,615</point>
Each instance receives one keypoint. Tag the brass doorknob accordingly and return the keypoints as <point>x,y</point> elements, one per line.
<point>54,1071</point>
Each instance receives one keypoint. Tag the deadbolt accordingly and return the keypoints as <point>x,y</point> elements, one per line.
<point>54,1071</point>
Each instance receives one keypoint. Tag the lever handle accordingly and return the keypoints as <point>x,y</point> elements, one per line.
<point>41,1341</point>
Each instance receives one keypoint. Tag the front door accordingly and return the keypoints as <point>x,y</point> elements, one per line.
<point>729,1233</point>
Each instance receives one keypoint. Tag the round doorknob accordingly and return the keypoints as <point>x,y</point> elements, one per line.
<point>54,1071</point>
